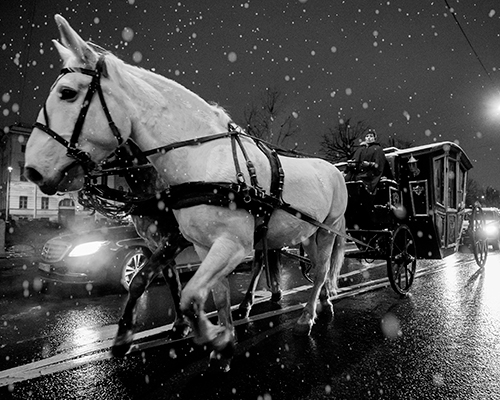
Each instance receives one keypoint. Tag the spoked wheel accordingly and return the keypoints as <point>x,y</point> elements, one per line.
<point>402,264</point>
<point>479,239</point>
<point>132,263</point>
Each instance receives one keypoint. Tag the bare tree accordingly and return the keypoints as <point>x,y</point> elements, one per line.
<point>340,141</point>
<point>271,118</point>
<point>491,197</point>
<point>474,192</point>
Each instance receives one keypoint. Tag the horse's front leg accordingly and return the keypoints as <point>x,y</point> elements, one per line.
<point>126,325</point>
<point>274,258</point>
<point>181,326</point>
<point>165,253</point>
<point>258,265</point>
<point>223,344</point>
<point>246,305</point>
<point>224,255</point>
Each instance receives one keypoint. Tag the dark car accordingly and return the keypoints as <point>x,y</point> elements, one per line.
<point>105,256</point>
<point>109,255</point>
<point>491,228</point>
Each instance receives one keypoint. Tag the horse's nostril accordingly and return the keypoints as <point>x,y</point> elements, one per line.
<point>33,175</point>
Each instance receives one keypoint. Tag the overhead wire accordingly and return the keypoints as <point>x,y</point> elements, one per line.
<point>470,43</point>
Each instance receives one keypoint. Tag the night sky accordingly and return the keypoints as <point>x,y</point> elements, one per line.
<point>403,67</point>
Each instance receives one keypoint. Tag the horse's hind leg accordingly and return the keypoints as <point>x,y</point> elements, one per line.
<point>327,253</point>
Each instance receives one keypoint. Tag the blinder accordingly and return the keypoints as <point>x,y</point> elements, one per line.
<point>82,157</point>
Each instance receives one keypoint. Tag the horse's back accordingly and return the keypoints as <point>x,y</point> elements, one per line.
<point>313,187</point>
<point>313,183</point>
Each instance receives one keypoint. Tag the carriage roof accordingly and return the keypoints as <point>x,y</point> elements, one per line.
<point>431,150</point>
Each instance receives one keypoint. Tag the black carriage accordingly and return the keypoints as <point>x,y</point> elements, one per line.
<point>416,215</point>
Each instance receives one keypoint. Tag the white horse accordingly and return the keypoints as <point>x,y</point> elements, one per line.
<point>156,112</point>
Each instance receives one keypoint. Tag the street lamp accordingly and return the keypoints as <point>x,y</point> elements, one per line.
<point>7,200</point>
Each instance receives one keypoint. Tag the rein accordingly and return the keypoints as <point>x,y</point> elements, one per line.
<point>250,193</point>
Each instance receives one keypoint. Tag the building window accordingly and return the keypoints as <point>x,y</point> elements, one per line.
<point>22,178</point>
<point>45,203</point>
<point>23,148</point>
<point>23,202</point>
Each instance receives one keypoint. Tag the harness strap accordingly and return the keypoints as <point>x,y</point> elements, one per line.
<point>111,123</point>
<point>85,106</point>
<point>307,218</point>
<point>72,151</point>
<point>250,166</point>
<point>239,175</point>
<point>189,142</point>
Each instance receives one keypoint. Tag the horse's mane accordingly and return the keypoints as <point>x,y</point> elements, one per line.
<point>216,115</point>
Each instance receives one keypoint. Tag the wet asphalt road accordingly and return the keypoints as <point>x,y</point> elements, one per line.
<point>441,342</point>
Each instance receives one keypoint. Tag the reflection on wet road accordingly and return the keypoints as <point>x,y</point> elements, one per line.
<point>439,342</point>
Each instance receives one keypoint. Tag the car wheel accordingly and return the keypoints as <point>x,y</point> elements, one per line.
<point>132,262</point>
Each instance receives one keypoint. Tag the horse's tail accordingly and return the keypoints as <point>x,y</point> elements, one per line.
<point>337,258</point>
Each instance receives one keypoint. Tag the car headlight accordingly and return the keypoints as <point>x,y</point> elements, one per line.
<point>491,229</point>
<point>86,249</point>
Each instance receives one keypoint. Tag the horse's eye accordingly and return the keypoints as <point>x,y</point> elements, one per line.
<point>68,94</point>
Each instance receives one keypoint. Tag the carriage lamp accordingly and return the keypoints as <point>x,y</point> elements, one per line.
<point>412,165</point>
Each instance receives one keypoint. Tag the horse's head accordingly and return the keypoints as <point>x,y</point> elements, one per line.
<point>75,129</point>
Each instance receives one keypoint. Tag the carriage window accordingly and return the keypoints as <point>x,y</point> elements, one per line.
<point>452,183</point>
<point>438,179</point>
<point>461,184</point>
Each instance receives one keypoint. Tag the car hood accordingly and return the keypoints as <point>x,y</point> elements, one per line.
<point>106,233</point>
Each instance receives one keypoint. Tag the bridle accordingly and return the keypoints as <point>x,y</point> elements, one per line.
<point>82,157</point>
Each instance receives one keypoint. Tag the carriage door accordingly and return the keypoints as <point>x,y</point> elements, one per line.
<point>449,195</point>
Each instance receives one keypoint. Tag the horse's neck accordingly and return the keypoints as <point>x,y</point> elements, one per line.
<point>167,113</point>
<point>175,112</point>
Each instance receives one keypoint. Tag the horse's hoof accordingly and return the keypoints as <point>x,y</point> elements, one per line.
<point>179,331</point>
<point>218,363</point>
<point>302,329</point>
<point>276,297</point>
<point>123,342</point>
<point>120,349</point>
<point>224,345</point>
<point>325,308</point>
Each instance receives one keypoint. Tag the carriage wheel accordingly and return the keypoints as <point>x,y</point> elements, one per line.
<point>402,264</point>
<point>479,239</point>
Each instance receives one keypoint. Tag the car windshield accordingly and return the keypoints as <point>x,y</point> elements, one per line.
<point>491,215</point>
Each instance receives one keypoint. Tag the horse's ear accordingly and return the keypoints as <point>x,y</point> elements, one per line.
<point>64,53</point>
<point>73,42</point>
